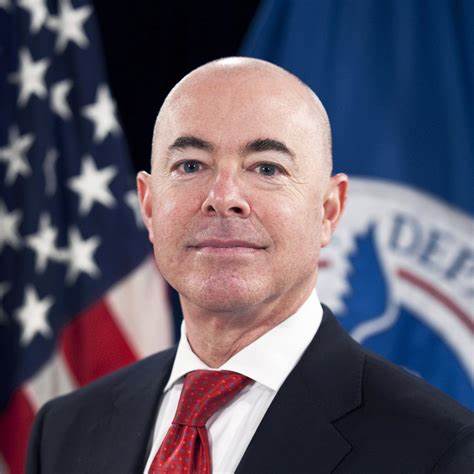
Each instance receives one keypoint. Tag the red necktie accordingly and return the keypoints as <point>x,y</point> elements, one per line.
<point>185,448</point>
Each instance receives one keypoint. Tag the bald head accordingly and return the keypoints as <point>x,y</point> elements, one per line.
<point>254,79</point>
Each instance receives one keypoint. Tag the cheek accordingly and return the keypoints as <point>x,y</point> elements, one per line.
<point>171,212</point>
<point>291,224</point>
<point>295,227</point>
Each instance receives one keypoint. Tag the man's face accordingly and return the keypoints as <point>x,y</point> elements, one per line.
<point>237,159</point>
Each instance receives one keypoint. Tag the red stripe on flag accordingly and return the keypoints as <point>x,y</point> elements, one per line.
<point>93,345</point>
<point>15,425</point>
<point>324,263</point>
<point>440,296</point>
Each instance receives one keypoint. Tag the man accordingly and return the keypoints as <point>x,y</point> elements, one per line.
<point>239,202</point>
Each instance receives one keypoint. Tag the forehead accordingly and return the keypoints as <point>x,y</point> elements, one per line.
<point>229,111</point>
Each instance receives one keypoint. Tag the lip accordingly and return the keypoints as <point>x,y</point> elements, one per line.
<point>227,251</point>
<point>227,244</point>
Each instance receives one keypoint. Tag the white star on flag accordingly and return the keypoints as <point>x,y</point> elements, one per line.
<point>4,289</point>
<point>5,4</point>
<point>131,199</point>
<point>38,12</point>
<point>9,223</point>
<point>32,316</point>
<point>14,155</point>
<point>30,77</point>
<point>69,25</point>
<point>58,101</point>
<point>79,256</point>
<point>93,185</point>
<point>43,243</point>
<point>102,113</point>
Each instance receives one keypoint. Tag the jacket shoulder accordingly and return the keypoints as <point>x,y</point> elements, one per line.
<point>404,419</point>
<point>391,387</point>
<point>78,431</point>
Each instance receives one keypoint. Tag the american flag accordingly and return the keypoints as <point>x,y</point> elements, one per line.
<point>79,293</point>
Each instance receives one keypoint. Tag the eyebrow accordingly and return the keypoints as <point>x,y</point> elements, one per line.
<point>254,146</point>
<point>267,144</point>
<point>190,141</point>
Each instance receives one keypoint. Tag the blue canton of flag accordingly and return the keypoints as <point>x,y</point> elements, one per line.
<point>79,293</point>
<point>397,79</point>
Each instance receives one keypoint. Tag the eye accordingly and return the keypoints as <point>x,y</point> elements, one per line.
<point>268,169</point>
<point>189,166</point>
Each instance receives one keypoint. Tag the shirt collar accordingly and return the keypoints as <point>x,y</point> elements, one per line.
<point>269,359</point>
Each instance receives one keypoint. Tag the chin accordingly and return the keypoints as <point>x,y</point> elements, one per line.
<point>224,293</point>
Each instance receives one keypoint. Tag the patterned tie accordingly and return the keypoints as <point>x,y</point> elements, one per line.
<point>185,448</point>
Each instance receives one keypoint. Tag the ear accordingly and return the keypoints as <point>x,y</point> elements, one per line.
<point>333,206</point>
<point>144,196</point>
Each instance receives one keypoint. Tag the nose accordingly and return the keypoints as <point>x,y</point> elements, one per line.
<point>225,197</point>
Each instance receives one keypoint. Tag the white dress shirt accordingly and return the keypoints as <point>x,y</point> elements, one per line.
<point>268,360</point>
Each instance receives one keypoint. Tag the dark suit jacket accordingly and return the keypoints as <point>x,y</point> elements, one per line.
<point>342,410</point>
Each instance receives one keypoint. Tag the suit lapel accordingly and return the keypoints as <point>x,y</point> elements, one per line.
<point>297,432</point>
<point>129,422</point>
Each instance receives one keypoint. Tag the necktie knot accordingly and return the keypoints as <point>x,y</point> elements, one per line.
<point>204,393</point>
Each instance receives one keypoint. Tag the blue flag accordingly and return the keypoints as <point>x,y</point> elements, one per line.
<point>397,79</point>
<point>79,293</point>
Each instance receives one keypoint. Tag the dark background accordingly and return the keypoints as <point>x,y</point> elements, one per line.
<point>151,45</point>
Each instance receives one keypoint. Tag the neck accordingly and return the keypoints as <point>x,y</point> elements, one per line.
<point>216,336</point>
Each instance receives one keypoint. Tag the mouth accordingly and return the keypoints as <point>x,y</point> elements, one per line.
<point>227,248</point>
<point>226,251</point>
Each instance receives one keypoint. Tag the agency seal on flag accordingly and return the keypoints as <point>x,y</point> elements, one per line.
<point>398,274</point>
